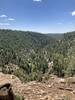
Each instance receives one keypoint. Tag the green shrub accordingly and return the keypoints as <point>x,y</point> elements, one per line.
<point>18,97</point>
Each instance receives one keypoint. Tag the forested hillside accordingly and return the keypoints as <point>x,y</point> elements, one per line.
<point>27,54</point>
<point>56,35</point>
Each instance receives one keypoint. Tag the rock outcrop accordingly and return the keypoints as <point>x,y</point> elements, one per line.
<point>6,92</point>
<point>53,89</point>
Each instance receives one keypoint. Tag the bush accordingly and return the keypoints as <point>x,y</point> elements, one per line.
<point>18,97</point>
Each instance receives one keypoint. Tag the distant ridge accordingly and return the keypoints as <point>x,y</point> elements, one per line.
<point>56,35</point>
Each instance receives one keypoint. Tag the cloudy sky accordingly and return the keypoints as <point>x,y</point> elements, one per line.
<point>47,16</point>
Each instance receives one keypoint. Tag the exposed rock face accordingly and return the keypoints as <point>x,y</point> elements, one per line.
<point>6,92</point>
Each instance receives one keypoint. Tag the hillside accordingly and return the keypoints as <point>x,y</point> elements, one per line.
<point>37,65</point>
<point>56,36</point>
<point>28,55</point>
<point>27,50</point>
<point>23,38</point>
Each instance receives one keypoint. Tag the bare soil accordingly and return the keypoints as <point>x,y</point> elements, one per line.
<point>53,89</point>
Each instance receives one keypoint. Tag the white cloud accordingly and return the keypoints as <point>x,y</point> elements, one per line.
<point>37,0</point>
<point>5,20</point>
<point>4,24</point>
<point>73,13</point>
<point>3,16</point>
<point>11,19</point>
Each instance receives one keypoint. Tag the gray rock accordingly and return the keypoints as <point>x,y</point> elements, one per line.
<point>6,92</point>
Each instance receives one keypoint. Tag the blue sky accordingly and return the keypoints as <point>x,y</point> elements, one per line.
<point>47,16</point>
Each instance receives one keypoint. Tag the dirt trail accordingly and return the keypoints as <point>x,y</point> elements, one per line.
<point>54,89</point>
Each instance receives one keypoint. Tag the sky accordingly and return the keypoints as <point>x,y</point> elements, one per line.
<point>46,16</point>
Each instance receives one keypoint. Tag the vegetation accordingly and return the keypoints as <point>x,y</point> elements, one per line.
<point>27,54</point>
<point>18,97</point>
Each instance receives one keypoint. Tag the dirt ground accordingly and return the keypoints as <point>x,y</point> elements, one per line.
<point>53,89</point>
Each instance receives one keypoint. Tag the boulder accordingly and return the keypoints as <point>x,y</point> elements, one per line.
<point>6,92</point>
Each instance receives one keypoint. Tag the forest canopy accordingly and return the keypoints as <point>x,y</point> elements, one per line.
<point>27,54</point>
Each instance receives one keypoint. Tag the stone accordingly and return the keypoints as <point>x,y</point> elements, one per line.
<point>6,92</point>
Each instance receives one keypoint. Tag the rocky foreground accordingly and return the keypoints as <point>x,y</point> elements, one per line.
<point>53,89</point>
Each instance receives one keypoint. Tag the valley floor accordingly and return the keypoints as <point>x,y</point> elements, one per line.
<point>53,89</point>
